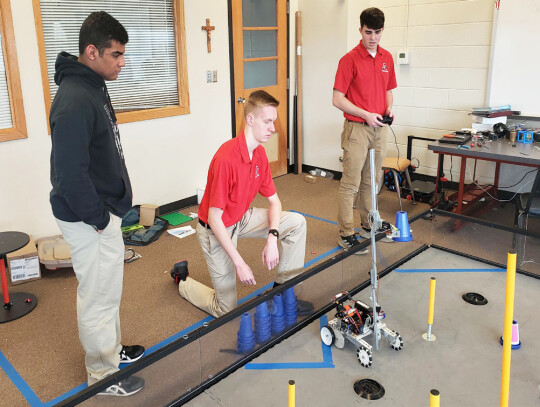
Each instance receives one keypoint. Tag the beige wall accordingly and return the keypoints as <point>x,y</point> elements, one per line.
<point>167,158</point>
<point>448,43</point>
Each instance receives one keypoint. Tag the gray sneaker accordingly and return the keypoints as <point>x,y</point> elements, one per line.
<point>348,242</point>
<point>124,388</point>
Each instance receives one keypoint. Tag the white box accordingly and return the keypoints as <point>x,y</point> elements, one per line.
<point>489,120</point>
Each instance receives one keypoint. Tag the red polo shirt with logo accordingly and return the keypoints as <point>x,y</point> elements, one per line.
<point>234,180</point>
<point>364,80</point>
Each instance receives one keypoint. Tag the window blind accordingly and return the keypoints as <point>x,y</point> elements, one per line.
<point>149,79</point>
<point>5,104</point>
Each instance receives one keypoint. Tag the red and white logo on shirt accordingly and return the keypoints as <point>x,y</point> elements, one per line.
<point>384,68</point>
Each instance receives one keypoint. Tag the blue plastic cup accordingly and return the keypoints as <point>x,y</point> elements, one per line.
<point>402,224</point>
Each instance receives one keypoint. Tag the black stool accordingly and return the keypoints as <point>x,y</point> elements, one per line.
<point>19,304</point>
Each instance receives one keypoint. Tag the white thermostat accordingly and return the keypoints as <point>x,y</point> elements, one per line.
<point>403,58</point>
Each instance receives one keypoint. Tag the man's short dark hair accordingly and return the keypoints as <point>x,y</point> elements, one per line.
<point>372,18</point>
<point>99,29</point>
<point>258,99</point>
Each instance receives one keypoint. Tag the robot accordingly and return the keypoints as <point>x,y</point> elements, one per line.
<point>354,321</point>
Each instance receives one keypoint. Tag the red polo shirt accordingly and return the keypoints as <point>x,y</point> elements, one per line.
<point>234,180</point>
<point>364,80</point>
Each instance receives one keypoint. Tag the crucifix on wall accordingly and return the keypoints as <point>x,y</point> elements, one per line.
<point>208,28</point>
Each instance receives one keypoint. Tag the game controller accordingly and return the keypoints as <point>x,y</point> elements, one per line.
<point>387,120</point>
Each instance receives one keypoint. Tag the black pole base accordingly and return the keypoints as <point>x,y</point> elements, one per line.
<point>20,305</point>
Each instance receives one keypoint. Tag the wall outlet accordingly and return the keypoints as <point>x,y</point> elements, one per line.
<point>208,76</point>
<point>214,76</point>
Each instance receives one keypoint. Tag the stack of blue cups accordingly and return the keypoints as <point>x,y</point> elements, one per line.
<point>278,317</point>
<point>246,337</point>
<point>262,323</point>
<point>289,307</point>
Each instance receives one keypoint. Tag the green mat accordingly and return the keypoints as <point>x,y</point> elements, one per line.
<point>176,218</point>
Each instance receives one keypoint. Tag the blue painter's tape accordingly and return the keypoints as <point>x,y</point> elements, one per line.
<point>64,396</point>
<point>493,270</point>
<point>19,382</point>
<point>326,350</point>
<point>327,362</point>
<point>322,256</point>
<point>315,217</point>
<point>276,366</point>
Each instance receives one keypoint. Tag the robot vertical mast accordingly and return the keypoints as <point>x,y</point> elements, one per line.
<point>375,223</point>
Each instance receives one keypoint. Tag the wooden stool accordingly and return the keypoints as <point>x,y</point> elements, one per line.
<point>395,165</point>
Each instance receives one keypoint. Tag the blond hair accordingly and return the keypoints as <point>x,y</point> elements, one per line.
<point>259,99</point>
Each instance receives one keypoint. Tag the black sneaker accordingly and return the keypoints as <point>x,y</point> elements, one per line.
<point>130,354</point>
<point>180,271</point>
<point>348,242</point>
<point>124,388</point>
<point>385,228</point>
<point>304,307</point>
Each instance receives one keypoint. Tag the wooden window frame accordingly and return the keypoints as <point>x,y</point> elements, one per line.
<point>18,131</point>
<point>139,115</point>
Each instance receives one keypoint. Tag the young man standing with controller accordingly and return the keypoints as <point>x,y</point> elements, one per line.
<point>363,92</point>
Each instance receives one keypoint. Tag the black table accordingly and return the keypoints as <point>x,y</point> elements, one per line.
<point>499,152</point>
<point>20,303</point>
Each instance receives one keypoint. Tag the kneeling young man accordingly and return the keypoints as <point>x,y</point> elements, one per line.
<point>238,171</point>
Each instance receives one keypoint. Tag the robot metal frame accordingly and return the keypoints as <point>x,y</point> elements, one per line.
<point>356,320</point>
<point>353,322</point>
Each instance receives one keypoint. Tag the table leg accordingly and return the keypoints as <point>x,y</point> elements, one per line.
<point>461,184</point>
<point>496,180</point>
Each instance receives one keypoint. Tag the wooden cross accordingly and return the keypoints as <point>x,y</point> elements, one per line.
<point>208,28</point>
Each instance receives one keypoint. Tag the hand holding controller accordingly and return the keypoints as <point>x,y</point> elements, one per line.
<point>387,120</point>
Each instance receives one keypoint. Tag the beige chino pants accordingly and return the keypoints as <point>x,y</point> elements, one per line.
<point>254,224</point>
<point>356,140</point>
<point>98,261</point>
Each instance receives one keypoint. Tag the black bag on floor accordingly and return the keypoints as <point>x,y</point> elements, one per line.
<point>142,237</point>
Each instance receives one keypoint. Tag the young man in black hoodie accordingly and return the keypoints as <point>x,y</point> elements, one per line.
<point>91,192</point>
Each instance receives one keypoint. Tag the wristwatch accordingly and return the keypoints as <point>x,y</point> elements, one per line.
<point>274,232</point>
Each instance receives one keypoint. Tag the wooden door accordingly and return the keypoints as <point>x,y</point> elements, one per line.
<point>260,62</point>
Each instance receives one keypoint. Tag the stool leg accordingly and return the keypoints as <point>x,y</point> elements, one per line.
<point>398,189</point>
<point>410,185</point>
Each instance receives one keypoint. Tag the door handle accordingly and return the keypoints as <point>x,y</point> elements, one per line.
<point>241,100</point>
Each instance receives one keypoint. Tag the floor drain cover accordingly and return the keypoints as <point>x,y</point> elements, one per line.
<point>475,299</point>
<point>369,389</point>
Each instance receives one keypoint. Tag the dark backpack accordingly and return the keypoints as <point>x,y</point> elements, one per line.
<point>142,237</point>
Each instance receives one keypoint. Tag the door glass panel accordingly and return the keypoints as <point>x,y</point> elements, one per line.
<point>258,74</point>
<point>259,44</point>
<point>272,148</point>
<point>259,13</point>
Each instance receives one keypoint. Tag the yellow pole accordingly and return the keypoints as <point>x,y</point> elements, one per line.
<point>291,393</point>
<point>434,398</point>
<point>431,300</point>
<point>428,336</point>
<point>507,333</point>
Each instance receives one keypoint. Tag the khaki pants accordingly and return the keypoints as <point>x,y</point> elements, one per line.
<point>98,261</point>
<point>356,140</point>
<point>254,223</point>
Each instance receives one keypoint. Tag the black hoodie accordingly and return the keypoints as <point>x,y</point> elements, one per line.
<point>88,173</point>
